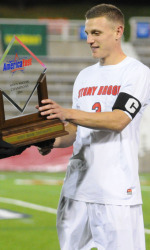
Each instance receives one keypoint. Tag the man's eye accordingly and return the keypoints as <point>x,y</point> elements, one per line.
<point>97,33</point>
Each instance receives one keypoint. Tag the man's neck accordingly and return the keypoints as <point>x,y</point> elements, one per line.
<point>112,60</point>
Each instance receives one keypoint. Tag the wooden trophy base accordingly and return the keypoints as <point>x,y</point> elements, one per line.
<point>33,132</point>
<point>32,128</point>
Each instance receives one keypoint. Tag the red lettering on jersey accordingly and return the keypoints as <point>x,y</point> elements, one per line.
<point>100,90</point>
<point>103,90</point>
<point>118,89</point>
<point>115,90</point>
<point>94,89</point>
<point>109,91</point>
<point>80,93</point>
<point>85,91</point>
<point>89,92</point>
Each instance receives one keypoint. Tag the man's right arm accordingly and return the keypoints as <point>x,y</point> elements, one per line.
<point>59,142</point>
<point>66,140</point>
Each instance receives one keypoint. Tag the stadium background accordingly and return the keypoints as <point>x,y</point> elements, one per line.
<point>37,180</point>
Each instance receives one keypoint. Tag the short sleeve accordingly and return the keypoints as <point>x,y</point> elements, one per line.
<point>75,93</point>
<point>137,83</point>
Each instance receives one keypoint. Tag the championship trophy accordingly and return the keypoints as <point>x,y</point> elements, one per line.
<point>20,123</point>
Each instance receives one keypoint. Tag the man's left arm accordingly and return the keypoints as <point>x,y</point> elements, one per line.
<point>116,120</point>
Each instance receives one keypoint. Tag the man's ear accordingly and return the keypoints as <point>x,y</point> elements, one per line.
<point>119,31</point>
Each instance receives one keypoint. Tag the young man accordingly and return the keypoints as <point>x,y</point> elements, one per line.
<point>100,204</point>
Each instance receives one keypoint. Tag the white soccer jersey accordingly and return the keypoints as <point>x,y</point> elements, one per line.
<point>104,165</point>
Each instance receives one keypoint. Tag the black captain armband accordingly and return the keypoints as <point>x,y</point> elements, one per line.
<point>127,103</point>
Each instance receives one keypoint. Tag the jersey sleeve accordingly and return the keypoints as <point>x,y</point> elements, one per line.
<point>135,90</point>
<point>137,84</point>
<point>75,93</point>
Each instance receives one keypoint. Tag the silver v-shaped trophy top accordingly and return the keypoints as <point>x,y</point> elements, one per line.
<point>19,69</point>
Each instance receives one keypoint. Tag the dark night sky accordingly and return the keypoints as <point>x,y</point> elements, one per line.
<point>48,2</point>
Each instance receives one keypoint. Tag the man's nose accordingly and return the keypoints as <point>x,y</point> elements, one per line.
<point>90,39</point>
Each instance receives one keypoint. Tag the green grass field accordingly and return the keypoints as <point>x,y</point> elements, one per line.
<point>38,231</point>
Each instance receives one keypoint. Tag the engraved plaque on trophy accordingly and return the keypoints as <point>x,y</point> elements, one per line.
<point>23,87</point>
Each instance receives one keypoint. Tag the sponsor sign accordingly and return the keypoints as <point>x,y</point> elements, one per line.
<point>33,36</point>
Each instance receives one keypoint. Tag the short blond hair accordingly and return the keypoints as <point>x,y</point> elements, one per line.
<point>111,12</point>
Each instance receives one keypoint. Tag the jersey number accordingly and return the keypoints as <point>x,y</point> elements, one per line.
<point>97,107</point>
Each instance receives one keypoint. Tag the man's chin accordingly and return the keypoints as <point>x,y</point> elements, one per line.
<point>95,56</point>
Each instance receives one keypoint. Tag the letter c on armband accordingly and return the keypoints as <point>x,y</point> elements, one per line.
<point>127,103</point>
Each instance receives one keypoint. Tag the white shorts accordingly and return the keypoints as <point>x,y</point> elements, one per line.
<point>82,226</point>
